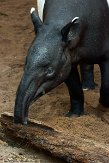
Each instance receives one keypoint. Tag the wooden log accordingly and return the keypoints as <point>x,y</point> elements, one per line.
<point>43,136</point>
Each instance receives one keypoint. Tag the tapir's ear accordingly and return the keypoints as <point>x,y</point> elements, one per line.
<point>71,33</point>
<point>35,19</point>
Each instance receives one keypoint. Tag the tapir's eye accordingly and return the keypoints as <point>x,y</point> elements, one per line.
<point>50,73</point>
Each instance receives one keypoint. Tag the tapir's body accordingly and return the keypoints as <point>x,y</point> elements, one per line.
<point>72,32</point>
<point>94,19</point>
<point>86,71</point>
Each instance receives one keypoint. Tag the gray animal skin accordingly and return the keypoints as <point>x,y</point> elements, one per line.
<point>72,32</point>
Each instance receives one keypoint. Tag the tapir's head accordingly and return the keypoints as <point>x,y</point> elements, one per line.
<point>47,65</point>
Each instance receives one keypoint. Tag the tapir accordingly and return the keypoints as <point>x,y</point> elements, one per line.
<point>72,32</point>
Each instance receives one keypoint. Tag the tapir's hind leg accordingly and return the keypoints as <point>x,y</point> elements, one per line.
<point>104,91</point>
<point>87,76</point>
<point>76,93</point>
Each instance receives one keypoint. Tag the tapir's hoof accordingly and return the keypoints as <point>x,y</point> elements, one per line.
<point>87,87</point>
<point>25,122</point>
<point>71,114</point>
<point>32,10</point>
<point>20,121</point>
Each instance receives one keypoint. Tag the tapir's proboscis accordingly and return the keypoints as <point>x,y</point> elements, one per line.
<point>72,32</point>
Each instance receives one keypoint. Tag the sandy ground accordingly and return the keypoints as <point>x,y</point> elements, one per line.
<point>16,34</point>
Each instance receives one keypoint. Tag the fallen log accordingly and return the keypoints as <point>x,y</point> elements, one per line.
<point>44,136</point>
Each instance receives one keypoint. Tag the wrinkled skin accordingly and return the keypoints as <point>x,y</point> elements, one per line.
<point>69,35</point>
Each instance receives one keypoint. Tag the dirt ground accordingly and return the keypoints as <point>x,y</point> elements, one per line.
<point>16,34</point>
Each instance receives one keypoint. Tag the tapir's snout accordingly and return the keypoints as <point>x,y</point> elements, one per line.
<point>29,90</point>
<point>24,96</point>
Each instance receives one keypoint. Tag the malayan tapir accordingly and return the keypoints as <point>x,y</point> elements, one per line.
<point>72,32</point>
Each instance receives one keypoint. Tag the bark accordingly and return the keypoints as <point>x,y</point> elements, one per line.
<point>60,145</point>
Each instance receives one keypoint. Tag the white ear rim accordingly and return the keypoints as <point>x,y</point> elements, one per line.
<point>76,18</point>
<point>32,10</point>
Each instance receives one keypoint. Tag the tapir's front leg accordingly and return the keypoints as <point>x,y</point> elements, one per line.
<point>76,93</point>
<point>104,91</point>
